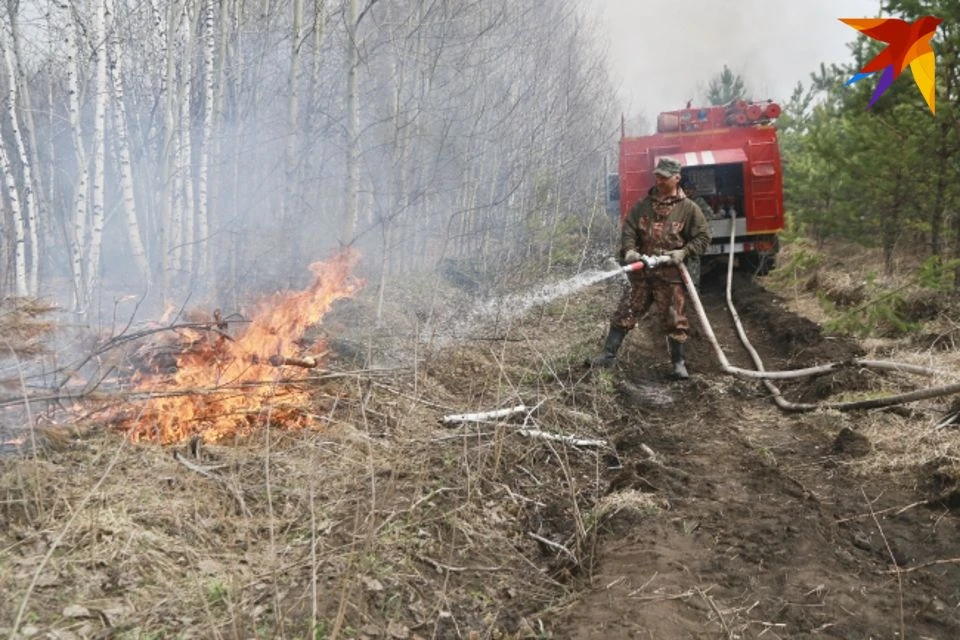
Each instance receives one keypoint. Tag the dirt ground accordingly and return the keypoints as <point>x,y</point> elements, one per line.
<point>772,524</point>
<point>699,509</point>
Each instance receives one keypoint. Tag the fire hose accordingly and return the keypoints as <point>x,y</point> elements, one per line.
<point>766,376</point>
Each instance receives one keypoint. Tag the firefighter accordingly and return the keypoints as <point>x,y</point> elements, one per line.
<point>665,222</point>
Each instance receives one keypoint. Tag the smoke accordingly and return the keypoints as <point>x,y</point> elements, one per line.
<point>663,55</point>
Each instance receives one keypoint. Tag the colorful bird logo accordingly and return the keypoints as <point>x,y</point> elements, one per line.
<point>908,43</point>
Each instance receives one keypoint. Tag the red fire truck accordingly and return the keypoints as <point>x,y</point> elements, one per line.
<point>731,159</point>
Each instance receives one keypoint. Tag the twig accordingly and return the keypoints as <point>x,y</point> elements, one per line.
<point>675,596</point>
<point>896,566</point>
<point>713,605</point>
<point>440,567</point>
<point>948,420</point>
<point>772,625</point>
<point>121,339</point>
<point>308,362</point>
<point>925,565</point>
<point>644,585</point>
<point>897,510</point>
<point>204,471</point>
<point>553,545</point>
<point>530,474</point>
<point>409,397</point>
<point>413,506</point>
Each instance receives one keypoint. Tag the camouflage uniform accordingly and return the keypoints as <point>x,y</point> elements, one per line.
<point>655,225</point>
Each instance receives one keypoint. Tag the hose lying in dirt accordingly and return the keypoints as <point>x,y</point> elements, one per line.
<point>766,376</point>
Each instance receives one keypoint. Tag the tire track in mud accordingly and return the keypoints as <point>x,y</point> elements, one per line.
<point>763,532</point>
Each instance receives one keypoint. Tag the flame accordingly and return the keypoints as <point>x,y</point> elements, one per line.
<point>223,387</point>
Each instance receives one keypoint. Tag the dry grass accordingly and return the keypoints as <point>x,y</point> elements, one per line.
<point>377,522</point>
<point>904,443</point>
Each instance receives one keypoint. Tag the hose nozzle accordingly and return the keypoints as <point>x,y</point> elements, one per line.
<point>646,262</point>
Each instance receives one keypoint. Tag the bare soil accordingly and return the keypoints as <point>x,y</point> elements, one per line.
<point>768,529</point>
<point>707,513</point>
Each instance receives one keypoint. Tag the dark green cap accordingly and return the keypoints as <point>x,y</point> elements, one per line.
<point>667,167</point>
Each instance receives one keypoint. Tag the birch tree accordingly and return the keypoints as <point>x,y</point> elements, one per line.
<point>293,108</point>
<point>29,247</point>
<point>80,219</point>
<point>20,283</point>
<point>98,47</point>
<point>122,150</point>
<point>208,34</point>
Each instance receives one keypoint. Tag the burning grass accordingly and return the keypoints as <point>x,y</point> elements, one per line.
<point>380,522</point>
<point>223,386</point>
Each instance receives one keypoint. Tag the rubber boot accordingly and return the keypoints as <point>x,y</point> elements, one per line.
<point>676,357</point>
<point>614,340</point>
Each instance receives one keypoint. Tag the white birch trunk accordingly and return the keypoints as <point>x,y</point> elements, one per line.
<point>170,213</point>
<point>319,26</point>
<point>160,29</point>
<point>352,190</point>
<point>99,148</point>
<point>80,211</point>
<point>184,149</point>
<point>20,236</point>
<point>293,109</point>
<point>31,246</point>
<point>206,143</point>
<point>122,145</point>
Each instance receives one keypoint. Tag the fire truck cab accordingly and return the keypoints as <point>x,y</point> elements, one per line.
<point>730,158</point>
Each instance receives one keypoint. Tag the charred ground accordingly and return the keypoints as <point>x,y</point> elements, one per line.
<point>709,513</point>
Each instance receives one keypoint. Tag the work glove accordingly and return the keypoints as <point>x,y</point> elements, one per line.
<point>677,256</point>
<point>631,256</point>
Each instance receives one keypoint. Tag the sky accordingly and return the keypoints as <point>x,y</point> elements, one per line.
<point>663,54</point>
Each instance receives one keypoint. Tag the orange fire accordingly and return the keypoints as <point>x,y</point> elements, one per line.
<point>223,387</point>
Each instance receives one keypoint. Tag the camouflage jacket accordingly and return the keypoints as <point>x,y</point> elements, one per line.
<point>655,225</point>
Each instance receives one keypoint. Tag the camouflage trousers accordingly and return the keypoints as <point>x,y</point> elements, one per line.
<point>669,297</point>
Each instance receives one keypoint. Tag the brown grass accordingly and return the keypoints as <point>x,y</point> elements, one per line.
<point>375,522</point>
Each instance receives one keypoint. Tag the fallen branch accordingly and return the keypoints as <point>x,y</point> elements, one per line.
<point>950,419</point>
<point>307,363</point>
<point>570,440</point>
<point>484,416</point>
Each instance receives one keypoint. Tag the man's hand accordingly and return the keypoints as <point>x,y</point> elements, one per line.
<point>631,256</point>
<point>677,256</point>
